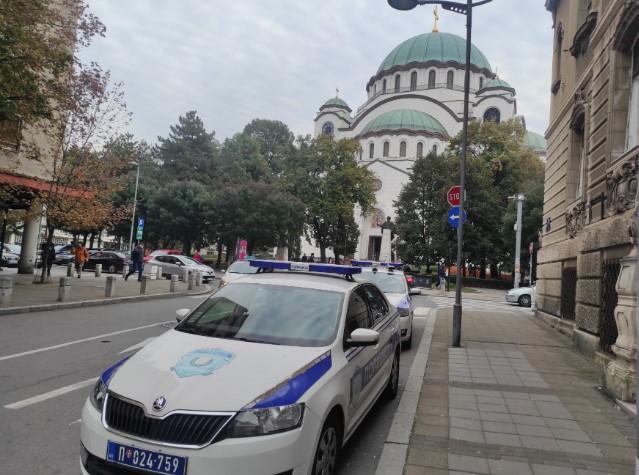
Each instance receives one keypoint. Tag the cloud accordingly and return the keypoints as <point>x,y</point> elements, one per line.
<point>281,59</point>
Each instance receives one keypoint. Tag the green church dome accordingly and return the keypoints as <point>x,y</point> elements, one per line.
<point>405,120</point>
<point>336,102</point>
<point>436,47</point>
<point>535,141</point>
<point>497,83</point>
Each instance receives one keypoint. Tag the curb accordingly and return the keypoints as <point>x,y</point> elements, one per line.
<point>98,302</point>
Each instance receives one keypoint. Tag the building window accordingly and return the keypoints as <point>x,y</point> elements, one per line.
<point>384,86</point>
<point>432,78</point>
<point>450,79</point>
<point>559,39</point>
<point>577,157</point>
<point>492,115</point>
<point>328,128</point>
<point>397,83</point>
<point>371,150</point>
<point>402,148</point>
<point>481,82</point>
<point>633,107</point>
<point>413,81</point>
<point>420,150</point>
<point>386,149</point>
<point>434,149</point>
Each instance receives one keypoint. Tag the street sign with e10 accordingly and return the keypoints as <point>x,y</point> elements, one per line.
<point>453,216</point>
<point>454,195</point>
<point>138,235</point>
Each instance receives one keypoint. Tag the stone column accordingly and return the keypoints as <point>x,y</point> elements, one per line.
<point>98,270</point>
<point>174,282</point>
<point>6,290</point>
<point>144,284</point>
<point>385,250</point>
<point>29,245</point>
<point>70,269</point>
<point>109,290</point>
<point>64,289</point>
<point>620,374</point>
<point>191,280</point>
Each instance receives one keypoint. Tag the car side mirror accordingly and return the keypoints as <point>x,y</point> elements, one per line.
<point>414,291</point>
<point>181,313</point>
<point>363,337</point>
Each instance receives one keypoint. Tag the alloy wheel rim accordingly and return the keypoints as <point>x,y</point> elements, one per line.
<point>327,453</point>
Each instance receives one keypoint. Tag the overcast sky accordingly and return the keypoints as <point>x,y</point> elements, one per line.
<point>235,60</point>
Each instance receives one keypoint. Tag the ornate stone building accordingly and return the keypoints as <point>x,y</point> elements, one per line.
<point>585,265</point>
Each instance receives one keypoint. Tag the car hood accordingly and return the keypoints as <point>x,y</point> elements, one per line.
<point>398,300</point>
<point>200,267</point>
<point>196,372</point>
<point>233,276</point>
<point>520,291</point>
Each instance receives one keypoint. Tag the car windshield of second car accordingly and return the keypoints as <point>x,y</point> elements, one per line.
<point>242,267</point>
<point>389,283</point>
<point>279,315</point>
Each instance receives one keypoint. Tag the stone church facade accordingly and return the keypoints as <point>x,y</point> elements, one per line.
<point>586,263</point>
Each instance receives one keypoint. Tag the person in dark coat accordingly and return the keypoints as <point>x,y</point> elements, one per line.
<point>137,262</point>
<point>48,256</point>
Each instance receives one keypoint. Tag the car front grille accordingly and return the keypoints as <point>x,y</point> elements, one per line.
<point>179,429</point>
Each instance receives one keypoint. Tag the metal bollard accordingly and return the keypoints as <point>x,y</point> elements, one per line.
<point>6,290</point>
<point>70,269</point>
<point>98,270</point>
<point>144,284</point>
<point>184,277</point>
<point>109,290</point>
<point>159,272</point>
<point>174,282</point>
<point>191,280</point>
<point>64,289</point>
<point>198,279</point>
<point>125,270</point>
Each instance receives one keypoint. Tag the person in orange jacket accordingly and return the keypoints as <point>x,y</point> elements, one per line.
<point>80,255</point>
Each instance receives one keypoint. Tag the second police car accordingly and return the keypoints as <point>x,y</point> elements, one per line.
<point>270,375</point>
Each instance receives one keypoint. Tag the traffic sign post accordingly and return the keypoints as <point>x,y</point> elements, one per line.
<point>140,229</point>
<point>454,195</point>
<point>453,217</point>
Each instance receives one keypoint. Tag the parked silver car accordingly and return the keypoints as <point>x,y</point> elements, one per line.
<point>173,264</point>
<point>522,296</point>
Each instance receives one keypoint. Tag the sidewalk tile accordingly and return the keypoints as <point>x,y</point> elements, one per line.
<point>508,440</point>
<point>575,435</point>
<point>470,424</point>
<point>502,427</point>
<point>579,447</point>
<point>539,469</point>
<point>539,443</point>
<point>508,467</point>
<point>464,463</point>
<point>468,435</point>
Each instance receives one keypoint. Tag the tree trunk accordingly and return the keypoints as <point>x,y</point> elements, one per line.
<point>482,270</point>
<point>322,253</point>
<point>219,255</point>
<point>91,240</point>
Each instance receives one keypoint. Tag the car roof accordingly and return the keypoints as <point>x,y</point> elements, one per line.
<point>306,280</point>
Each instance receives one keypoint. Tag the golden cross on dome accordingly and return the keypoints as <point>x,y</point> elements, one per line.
<point>436,15</point>
<point>337,92</point>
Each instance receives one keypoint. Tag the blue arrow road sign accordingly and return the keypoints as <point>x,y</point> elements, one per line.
<point>453,216</point>
<point>140,223</point>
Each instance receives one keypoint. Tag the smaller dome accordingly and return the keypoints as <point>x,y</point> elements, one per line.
<point>535,141</point>
<point>337,103</point>
<point>405,120</point>
<point>497,84</point>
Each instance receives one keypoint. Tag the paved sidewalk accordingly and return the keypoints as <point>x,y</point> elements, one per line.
<point>492,295</point>
<point>514,400</point>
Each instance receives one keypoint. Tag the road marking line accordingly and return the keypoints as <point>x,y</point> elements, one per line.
<point>51,394</point>
<point>77,421</point>
<point>83,340</point>
<point>137,346</point>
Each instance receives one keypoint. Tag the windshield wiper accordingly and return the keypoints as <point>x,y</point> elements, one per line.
<point>193,330</point>
<point>254,340</point>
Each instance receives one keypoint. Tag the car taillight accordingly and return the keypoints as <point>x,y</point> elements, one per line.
<point>410,279</point>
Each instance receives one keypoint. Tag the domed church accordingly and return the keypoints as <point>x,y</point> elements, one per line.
<point>414,106</point>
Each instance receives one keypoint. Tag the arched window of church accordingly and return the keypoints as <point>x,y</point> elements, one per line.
<point>328,128</point>
<point>386,149</point>
<point>481,82</point>
<point>450,78</point>
<point>402,148</point>
<point>413,81</point>
<point>432,78</point>
<point>492,115</point>
<point>371,150</point>
<point>384,85</point>
<point>420,150</point>
<point>434,149</point>
<point>397,83</point>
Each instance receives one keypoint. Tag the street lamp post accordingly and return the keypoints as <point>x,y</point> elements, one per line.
<point>464,9</point>
<point>519,198</point>
<point>135,200</point>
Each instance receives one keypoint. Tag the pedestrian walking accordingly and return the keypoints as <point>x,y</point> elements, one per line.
<point>441,275</point>
<point>80,256</point>
<point>48,256</point>
<point>304,258</point>
<point>137,262</point>
<point>311,258</point>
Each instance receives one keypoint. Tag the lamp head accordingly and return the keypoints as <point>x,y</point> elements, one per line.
<point>403,4</point>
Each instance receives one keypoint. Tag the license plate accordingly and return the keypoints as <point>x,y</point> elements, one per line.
<point>153,462</point>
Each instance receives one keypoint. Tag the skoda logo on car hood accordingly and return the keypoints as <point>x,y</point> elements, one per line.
<point>159,404</point>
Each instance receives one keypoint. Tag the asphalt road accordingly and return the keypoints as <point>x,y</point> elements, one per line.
<point>49,361</point>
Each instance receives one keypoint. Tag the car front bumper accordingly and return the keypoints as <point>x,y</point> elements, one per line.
<point>406,327</point>
<point>287,453</point>
<point>512,298</point>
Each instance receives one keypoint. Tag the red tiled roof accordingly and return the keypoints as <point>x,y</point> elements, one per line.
<point>36,184</point>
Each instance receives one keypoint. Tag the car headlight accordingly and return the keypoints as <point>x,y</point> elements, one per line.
<point>98,394</point>
<point>271,420</point>
<point>403,311</point>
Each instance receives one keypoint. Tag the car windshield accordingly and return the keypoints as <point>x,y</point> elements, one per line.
<point>279,315</point>
<point>188,261</point>
<point>388,282</point>
<point>242,267</point>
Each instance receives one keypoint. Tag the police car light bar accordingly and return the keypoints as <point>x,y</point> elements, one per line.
<point>376,264</point>
<point>305,267</point>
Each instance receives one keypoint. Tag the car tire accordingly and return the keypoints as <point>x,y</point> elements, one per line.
<point>328,447</point>
<point>524,301</point>
<point>111,269</point>
<point>392,387</point>
<point>408,343</point>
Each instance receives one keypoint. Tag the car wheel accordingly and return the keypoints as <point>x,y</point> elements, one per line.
<point>328,447</point>
<point>111,269</point>
<point>408,343</point>
<point>392,386</point>
<point>524,301</point>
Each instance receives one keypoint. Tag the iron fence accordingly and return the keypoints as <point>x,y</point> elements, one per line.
<point>607,325</point>
<point>568,293</point>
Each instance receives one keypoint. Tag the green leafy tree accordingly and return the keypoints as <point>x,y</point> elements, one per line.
<point>325,176</point>
<point>275,139</point>
<point>241,159</point>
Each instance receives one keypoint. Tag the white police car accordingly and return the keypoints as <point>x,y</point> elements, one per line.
<point>268,376</point>
<point>391,281</point>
